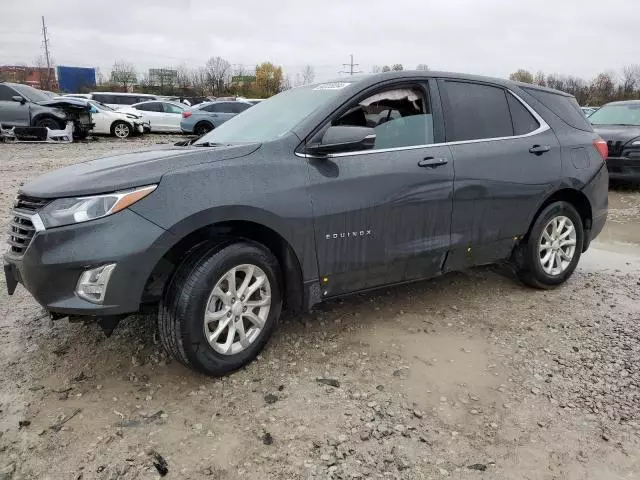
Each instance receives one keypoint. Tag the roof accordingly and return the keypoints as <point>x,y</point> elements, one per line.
<point>124,93</point>
<point>623,102</point>
<point>412,74</point>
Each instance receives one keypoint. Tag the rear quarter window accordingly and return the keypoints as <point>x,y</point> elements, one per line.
<point>98,97</point>
<point>565,107</point>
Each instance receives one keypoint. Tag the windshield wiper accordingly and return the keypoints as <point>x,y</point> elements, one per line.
<point>207,144</point>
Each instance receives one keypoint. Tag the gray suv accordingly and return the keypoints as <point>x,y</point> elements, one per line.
<point>318,192</point>
<point>25,106</point>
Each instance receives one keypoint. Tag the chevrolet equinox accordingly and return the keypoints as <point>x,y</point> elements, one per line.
<point>317,192</point>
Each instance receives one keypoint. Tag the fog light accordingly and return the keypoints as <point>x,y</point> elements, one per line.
<point>93,283</point>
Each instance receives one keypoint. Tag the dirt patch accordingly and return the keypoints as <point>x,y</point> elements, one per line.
<point>467,376</point>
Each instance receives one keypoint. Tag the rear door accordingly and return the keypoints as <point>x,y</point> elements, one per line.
<point>153,112</point>
<point>173,116</point>
<point>383,216</point>
<point>507,160</point>
<point>12,113</point>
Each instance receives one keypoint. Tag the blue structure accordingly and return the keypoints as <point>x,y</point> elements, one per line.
<point>76,79</point>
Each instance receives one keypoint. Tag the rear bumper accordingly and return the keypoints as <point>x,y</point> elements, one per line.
<point>597,192</point>
<point>624,168</point>
<point>52,264</point>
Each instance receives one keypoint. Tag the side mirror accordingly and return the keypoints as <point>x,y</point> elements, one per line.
<point>18,98</point>
<point>341,138</point>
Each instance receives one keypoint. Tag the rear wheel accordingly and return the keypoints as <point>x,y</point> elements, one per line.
<point>202,128</point>
<point>121,129</point>
<point>50,123</point>
<point>553,247</point>
<point>221,307</point>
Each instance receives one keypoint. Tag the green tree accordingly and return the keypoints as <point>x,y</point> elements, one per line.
<point>521,76</point>
<point>268,79</point>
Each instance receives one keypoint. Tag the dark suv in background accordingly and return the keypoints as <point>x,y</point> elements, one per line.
<point>320,191</point>
<point>618,123</point>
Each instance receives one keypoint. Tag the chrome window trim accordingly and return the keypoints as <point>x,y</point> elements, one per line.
<point>543,127</point>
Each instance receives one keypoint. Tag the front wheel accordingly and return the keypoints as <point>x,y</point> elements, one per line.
<point>50,123</point>
<point>121,129</point>
<point>553,247</point>
<point>221,306</point>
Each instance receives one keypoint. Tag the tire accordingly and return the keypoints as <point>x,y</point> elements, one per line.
<point>202,128</point>
<point>121,129</point>
<point>190,293</point>
<point>531,254</point>
<point>50,123</point>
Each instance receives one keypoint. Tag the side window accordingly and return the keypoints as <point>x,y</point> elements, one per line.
<point>126,100</point>
<point>150,107</point>
<point>214,107</point>
<point>99,97</point>
<point>523,121</point>
<point>400,117</point>
<point>238,107</point>
<point>474,111</point>
<point>168,108</point>
<point>564,106</point>
<point>6,93</point>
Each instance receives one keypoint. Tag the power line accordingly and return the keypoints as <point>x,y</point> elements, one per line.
<point>351,65</point>
<point>46,52</point>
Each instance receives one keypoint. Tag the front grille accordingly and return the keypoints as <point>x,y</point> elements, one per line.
<point>21,228</point>
<point>21,231</point>
<point>615,148</point>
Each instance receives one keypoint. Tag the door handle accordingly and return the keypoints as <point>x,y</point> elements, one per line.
<point>539,149</point>
<point>431,162</point>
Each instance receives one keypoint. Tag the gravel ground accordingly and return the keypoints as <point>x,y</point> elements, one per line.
<point>467,376</point>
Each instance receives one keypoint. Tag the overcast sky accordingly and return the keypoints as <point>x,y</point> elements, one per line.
<point>491,37</point>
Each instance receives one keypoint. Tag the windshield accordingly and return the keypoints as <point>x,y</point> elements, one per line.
<point>31,94</point>
<point>617,115</point>
<point>274,117</point>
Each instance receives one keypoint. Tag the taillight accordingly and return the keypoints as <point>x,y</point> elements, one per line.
<point>601,147</point>
<point>186,114</point>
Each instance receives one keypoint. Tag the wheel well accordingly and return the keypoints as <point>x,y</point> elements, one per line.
<point>219,234</point>
<point>43,116</point>
<point>576,198</point>
<point>201,122</point>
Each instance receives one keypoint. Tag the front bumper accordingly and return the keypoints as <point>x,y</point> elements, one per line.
<point>52,264</point>
<point>624,168</point>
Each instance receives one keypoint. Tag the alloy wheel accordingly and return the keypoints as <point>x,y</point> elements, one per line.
<point>557,245</point>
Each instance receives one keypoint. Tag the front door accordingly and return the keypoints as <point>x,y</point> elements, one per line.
<point>13,113</point>
<point>383,216</point>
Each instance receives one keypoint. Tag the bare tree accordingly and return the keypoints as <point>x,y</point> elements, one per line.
<point>218,72</point>
<point>397,67</point>
<point>46,75</point>
<point>99,76</point>
<point>602,89</point>
<point>308,75</point>
<point>286,83</point>
<point>123,73</point>
<point>199,81</point>
<point>422,67</point>
<point>376,69</point>
<point>183,78</point>
<point>631,80</point>
<point>386,68</point>
<point>540,79</point>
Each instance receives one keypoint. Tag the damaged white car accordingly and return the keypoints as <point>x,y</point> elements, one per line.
<point>108,121</point>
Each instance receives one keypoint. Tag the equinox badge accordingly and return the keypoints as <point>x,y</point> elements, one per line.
<point>335,236</point>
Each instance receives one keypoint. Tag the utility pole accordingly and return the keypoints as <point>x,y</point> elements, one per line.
<point>351,65</point>
<point>45,42</point>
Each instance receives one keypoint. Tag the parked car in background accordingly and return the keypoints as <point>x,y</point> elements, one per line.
<point>208,115</point>
<point>588,110</point>
<point>618,123</point>
<point>192,101</point>
<point>161,116</point>
<point>115,99</point>
<point>303,198</point>
<point>112,122</point>
<point>25,106</point>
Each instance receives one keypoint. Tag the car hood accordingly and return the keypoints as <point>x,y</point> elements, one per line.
<point>127,170</point>
<point>617,133</point>
<point>66,104</point>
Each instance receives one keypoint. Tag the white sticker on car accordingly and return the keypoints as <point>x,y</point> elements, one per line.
<point>332,86</point>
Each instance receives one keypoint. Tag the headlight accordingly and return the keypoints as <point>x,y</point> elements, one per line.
<point>66,211</point>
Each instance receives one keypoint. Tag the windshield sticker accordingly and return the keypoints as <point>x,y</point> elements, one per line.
<point>332,86</point>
